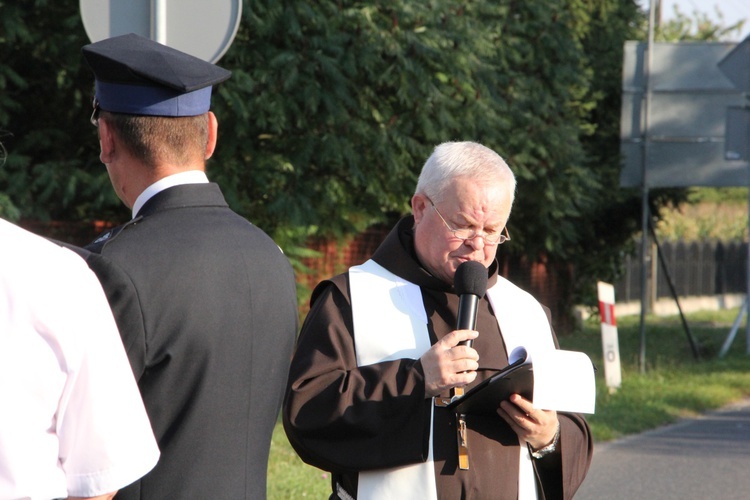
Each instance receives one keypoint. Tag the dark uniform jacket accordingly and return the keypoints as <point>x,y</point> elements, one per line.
<point>207,309</point>
<point>346,418</point>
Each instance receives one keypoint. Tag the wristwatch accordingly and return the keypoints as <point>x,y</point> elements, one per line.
<point>543,452</point>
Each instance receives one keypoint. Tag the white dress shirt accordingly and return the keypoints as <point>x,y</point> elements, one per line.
<point>72,422</point>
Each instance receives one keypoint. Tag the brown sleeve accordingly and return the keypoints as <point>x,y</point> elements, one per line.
<point>344,418</point>
<point>561,473</point>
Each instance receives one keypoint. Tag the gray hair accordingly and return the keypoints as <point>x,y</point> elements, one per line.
<point>451,160</point>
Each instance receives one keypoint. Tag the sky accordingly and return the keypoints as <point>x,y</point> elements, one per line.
<point>732,10</point>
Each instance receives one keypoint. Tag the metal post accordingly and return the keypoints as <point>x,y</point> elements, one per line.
<point>733,331</point>
<point>745,309</point>
<point>654,253</point>
<point>644,185</point>
<point>159,21</point>
<point>658,253</point>
<point>644,277</point>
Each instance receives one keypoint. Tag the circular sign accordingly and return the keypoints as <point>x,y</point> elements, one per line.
<point>200,28</point>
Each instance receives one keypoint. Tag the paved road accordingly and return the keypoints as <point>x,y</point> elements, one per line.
<point>704,458</point>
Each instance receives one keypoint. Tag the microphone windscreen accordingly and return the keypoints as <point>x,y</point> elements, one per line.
<point>471,277</point>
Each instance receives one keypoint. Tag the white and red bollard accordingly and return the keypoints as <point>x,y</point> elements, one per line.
<point>610,344</point>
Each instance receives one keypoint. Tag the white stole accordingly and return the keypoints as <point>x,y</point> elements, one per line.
<point>379,298</point>
<point>523,323</point>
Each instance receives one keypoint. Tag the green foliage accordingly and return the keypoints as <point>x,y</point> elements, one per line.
<point>333,107</point>
<point>699,27</point>
<point>602,233</point>
<point>52,169</point>
<point>733,195</point>
<point>337,105</point>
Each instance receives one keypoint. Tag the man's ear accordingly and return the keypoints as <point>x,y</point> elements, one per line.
<point>213,133</point>
<point>106,142</point>
<point>418,206</point>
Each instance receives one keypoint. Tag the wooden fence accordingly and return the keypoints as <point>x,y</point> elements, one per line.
<point>696,268</point>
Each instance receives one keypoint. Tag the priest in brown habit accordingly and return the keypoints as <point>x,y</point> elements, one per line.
<point>379,354</point>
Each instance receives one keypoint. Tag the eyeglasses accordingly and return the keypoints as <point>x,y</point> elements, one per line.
<point>469,233</point>
<point>95,114</point>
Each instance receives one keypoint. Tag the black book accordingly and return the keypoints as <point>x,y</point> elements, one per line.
<point>484,398</point>
<point>563,381</point>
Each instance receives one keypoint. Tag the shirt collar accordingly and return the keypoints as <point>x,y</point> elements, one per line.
<point>188,177</point>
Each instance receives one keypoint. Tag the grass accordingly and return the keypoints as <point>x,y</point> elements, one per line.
<point>673,386</point>
<point>289,477</point>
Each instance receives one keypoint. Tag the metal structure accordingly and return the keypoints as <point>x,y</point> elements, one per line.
<point>684,123</point>
<point>674,119</point>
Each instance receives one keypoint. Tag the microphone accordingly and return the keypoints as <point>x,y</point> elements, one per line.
<point>470,282</point>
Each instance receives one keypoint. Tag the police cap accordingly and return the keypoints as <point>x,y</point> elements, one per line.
<point>138,76</point>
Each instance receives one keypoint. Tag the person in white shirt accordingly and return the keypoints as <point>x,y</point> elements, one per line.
<point>72,421</point>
